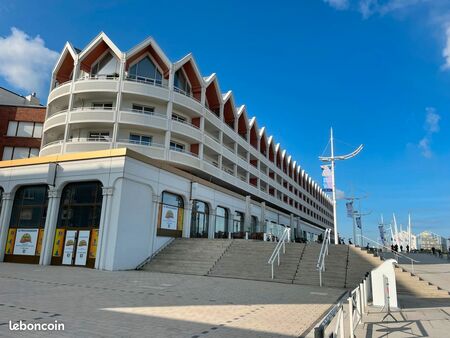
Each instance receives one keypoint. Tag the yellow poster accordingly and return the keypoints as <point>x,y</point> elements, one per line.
<point>59,242</point>
<point>180,219</point>
<point>39,242</point>
<point>93,244</point>
<point>10,241</point>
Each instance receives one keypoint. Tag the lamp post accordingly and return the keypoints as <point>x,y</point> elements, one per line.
<point>331,159</point>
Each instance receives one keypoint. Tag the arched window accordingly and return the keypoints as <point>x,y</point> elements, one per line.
<point>26,226</point>
<point>200,219</point>
<point>221,230</point>
<point>107,66</point>
<point>171,211</point>
<point>254,227</point>
<point>145,70</point>
<point>238,225</point>
<point>181,83</point>
<point>81,205</point>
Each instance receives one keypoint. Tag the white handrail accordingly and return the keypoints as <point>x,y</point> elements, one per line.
<point>395,252</point>
<point>276,252</point>
<point>323,253</point>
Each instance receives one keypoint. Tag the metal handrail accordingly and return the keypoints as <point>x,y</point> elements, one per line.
<point>276,252</point>
<point>323,253</point>
<point>141,143</point>
<point>395,253</point>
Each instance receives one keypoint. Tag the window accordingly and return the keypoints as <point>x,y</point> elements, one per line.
<point>221,230</point>
<point>141,139</point>
<point>238,224</point>
<point>176,146</point>
<point>16,153</point>
<point>143,109</point>
<point>181,83</point>
<point>99,136</point>
<point>171,212</point>
<point>81,205</point>
<point>30,207</point>
<point>24,129</point>
<point>178,118</point>
<point>199,220</point>
<point>107,67</point>
<point>146,71</point>
<point>102,105</point>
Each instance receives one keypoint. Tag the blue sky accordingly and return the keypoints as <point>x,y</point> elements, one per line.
<point>375,70</point>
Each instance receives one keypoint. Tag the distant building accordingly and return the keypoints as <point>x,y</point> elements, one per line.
<point>21,120</point>
<point>403,240</point>
<point>428,240</point>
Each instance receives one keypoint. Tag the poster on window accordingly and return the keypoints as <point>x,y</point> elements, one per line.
<point>82,247</point>
<point>69,246</point>
<point>26,240</point>
<point>169,217</point>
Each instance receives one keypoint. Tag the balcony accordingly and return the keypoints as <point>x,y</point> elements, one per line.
<point>61,90</point>
<point>150,149</point>
<point>146,87</point>
<point>187,129</point>
<point>213,119</point>
<point>139,118</point>
<point>91,114</point>
<point>184,157</point>
<point>82,144</point>
<point>97,84</point>
<point>51,148</point>
<point>212,141</point>
<point>184,99</point>
<point>56,119</point>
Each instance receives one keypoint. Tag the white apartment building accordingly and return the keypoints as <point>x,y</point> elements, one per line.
<point>136,150</point>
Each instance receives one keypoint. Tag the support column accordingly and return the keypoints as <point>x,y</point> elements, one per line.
<point>262,219</point>
<point>292,225</point>
<point>100,260</point>
<point>248,212</point>
<point>54,199</point>
<point>5,216</point>
<point>212,223</point>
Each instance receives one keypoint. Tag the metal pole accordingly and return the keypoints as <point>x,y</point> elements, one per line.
<point>334,189</point>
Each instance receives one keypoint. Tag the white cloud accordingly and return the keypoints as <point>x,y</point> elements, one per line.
<point>446,51</point>
<point>25,62</point>
<point>431,127</point>
<point>338,4</point>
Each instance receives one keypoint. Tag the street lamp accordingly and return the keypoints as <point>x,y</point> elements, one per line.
<point>331,159</point>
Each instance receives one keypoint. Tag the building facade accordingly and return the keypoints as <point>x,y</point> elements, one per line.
<point>428,240</point>
<point>21,121</point>
<point>137,150</point>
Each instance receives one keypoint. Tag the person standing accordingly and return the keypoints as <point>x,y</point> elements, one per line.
<point>407,248</point>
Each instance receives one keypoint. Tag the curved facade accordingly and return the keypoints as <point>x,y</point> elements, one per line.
<point>102,98</point>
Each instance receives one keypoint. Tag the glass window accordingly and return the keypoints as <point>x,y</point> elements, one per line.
<point>37,133</point>
<point>7,153</point>
<point>99,136</point>
<point>34,152</point>
<point>170,204</point>
<point>107,66</point>
<point>178,118</point>
<point>12,128</point>
<point>30,207</point>
<point>102,105</point>
<point>254,227</point>
<point>199,220</point>
<point>238,223</point>
<point>145,70</point>
<point>25,129</point>
<point>181,83</point>
<point>172,199</point>
<point>21,152</point>
<point>81,205</point>
<point>221,230</point>
<point>143,109</point>
<point>141,139</point>
<point>176,146</point>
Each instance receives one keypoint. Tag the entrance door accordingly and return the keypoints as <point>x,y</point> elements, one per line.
<point>26,226</point>
<point>76,236</point>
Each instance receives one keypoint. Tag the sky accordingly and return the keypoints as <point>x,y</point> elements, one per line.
<point>377,71</point>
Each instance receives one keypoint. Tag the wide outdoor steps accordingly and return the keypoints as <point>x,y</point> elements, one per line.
<point>248,259</point>
<point>188,256</point>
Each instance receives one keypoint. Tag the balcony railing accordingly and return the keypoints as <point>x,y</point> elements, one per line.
<point>184,151</point>
<point>141,143</point>
<point>99,77</point>
<point>185,122</point>
<point>182,92</point>
<point>89,139</point>
<point>143,112</point>
<point>146,80</point>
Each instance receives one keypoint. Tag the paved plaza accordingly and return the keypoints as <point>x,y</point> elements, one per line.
<point>94,303</point>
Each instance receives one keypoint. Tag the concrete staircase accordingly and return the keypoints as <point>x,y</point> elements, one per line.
<point>189,256</point>
<point>409,284</point>
<point>247,259</point>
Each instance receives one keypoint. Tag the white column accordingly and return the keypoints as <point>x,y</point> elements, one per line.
<point>54,200</point>
<point>262,219</point>
<point>5,216</point>
<point>212,223</point>
<point>100,260</point>
<point>248,212</point>
<point>116,111</point>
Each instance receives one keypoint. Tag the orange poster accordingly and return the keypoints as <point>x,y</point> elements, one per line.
<point>10,241</point>
<point>93,244</point>
<point>39,242</point>
<point>59,242</point>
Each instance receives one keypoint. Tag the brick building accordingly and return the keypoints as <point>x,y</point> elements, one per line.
<point>21,119</point>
